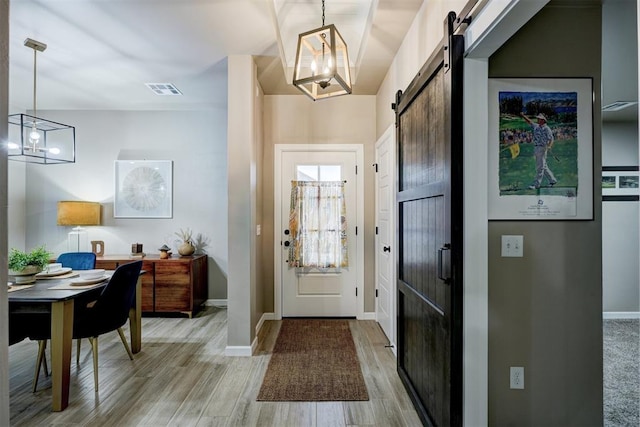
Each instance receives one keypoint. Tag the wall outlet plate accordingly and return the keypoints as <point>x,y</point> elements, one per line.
<point>516,377</point>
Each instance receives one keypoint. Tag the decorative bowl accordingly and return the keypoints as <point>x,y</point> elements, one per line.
<point>91,274</point>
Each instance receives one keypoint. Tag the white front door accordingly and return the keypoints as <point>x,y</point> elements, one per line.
<point>313,291</point>
<point>385,191</point>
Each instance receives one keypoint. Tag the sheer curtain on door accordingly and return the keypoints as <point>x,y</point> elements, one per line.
<point>317,223</point>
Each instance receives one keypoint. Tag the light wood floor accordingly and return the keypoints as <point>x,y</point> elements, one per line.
<point>182,378</point>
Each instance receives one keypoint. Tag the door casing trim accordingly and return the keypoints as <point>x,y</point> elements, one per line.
<point>389,134</point>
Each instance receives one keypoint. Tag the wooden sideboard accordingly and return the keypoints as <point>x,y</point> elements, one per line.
<point>176,284</point>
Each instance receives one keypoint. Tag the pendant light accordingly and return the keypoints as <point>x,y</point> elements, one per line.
<point>37,140</point>
<point>322,69</point>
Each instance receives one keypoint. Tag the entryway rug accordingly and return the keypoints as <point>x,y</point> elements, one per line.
<point>314,360</point>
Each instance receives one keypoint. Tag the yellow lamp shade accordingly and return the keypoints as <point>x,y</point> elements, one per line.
<point>78,213</point>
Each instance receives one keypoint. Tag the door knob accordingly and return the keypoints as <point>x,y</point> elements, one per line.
<point>286,232</point>
<point>287,243</point>
<point>386,249</point>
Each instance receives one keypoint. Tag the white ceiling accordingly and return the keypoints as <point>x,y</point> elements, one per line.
<point>101,53</point>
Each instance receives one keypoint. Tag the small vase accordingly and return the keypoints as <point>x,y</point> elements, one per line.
<point>186,249</point>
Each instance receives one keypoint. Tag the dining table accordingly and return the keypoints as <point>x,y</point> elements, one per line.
<point>56,296</point>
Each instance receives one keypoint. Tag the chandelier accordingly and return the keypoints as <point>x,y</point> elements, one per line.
<point>36,140</point>
<point>321,69</point>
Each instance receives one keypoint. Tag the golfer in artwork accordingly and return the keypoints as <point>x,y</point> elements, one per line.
<point>542,142</point>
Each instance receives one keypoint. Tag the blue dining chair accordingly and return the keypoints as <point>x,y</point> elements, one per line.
<point>78,260</point>
<point>107,313</point>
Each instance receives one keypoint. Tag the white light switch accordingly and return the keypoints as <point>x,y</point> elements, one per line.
<point>258,230</point>
<point>512,246</point>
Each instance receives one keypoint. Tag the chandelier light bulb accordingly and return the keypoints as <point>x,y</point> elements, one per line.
<point>54,150</point>
<point>34,136</point>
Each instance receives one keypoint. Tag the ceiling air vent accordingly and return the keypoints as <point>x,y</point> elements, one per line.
<point>618,105</point>
<point>163,88</point>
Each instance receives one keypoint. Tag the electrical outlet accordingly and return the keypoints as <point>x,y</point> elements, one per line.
<point>516,377</point>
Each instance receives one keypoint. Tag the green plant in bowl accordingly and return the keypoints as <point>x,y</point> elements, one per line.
<point>38,258</point>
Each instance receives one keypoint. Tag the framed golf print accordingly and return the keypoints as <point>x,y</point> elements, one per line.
<point>143,189</point>
<point>540,149</point>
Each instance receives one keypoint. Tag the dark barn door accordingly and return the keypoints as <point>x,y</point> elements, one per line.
<point>429,209</point>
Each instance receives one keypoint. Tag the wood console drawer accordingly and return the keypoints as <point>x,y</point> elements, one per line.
<point>173,287</point>
<point>168,285</point>
<point>107,265</point>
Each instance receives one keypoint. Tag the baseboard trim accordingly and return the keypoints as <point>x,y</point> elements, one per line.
<point>254,345</point>
<point>246,351</point>
<point>621,315</point>
<point>368,315</point>
<point>216,302</point>
<point>263,318</point>
<point>239,350</point>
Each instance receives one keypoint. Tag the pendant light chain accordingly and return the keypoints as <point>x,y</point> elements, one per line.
<point>35,55</point>
<point>323,83</point>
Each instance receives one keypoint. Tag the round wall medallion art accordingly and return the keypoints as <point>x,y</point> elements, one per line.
<point>144,189</point>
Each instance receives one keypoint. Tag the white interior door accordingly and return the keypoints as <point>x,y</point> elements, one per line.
<point>312,291</point>
<point>385,276</point>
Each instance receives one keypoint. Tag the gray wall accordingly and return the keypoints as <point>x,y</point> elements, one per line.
<point>619,51</point>
<point>545,309</point>
<point>242,158</point>
<point>199,182</point>
<point>620,290</point>
<point>620,220</point>
<point>620,143</point>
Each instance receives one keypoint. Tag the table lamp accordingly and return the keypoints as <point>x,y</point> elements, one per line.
<point>77,214</point>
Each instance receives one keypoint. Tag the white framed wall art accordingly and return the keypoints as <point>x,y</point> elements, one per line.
<point>143,189</point>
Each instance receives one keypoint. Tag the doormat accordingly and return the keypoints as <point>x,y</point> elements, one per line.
<point>313,360</point>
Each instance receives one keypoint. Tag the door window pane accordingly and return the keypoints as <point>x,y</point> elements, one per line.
<point>318,172</point>
<point>307,173</point>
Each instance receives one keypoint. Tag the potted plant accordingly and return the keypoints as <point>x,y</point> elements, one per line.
<point>25,265</point>
<point>186,248</point>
